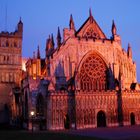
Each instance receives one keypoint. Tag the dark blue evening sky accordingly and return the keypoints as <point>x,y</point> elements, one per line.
<point>42,17</point>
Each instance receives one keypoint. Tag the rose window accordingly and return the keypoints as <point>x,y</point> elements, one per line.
<point>93,73</point>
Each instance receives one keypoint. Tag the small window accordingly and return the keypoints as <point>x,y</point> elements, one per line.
<point>11,77</point>
<point>7,58</point>
<point>15,44</point>
<point>7,43</point>
<point>3,58</point>
<point>3,77</point>
<point>7,77</point>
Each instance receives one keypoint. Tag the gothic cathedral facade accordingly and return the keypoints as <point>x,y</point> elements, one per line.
<point>87,81</point>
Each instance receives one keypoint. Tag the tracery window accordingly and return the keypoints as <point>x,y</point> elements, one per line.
<point>93,73</point>
<point>90,33</point>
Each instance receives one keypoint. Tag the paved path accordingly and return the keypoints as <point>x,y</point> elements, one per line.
<point>117,133</point>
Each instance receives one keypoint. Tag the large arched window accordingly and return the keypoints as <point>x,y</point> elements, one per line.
<point>40,105</point>
<point>93,73</point>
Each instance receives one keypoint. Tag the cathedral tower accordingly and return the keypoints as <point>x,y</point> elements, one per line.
<point>10,66</point>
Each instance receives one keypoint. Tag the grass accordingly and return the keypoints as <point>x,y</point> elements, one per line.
<point>45,135</point>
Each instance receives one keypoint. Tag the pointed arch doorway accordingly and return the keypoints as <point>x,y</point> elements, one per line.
<point>132,119</point>
<point>101,119</point>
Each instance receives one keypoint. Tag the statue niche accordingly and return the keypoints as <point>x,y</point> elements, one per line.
<point>93,73</point>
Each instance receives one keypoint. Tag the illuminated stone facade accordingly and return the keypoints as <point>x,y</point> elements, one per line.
<point>10,68</point>
<point>89,81</point>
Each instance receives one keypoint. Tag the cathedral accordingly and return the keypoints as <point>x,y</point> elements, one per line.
<point>86,80</point>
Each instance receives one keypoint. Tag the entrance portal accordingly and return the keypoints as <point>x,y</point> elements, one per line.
<point>101,119</point>
<point>132,118</point>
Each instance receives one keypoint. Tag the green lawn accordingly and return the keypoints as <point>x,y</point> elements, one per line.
<point>23,135</point>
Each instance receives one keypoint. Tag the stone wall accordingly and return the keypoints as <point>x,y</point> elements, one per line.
<point>130,104</point>
<point>88,104</point>
<point>57,109</point>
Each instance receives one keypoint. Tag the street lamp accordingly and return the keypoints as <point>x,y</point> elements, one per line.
<point>32,115</point>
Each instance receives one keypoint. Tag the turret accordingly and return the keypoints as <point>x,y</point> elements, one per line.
<point>49,50</point>
<point>49,46</point>
<point>38,52</point>
<point>114,29</point>
<point>52,40</point>
<point>58,38</point>
<point>129,51</point>
<point>90,15</point>
<point>71,23</point>
<point>20,27</point>
<point>115,36</point>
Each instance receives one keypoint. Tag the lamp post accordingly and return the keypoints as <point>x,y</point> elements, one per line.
<point>32,115</point>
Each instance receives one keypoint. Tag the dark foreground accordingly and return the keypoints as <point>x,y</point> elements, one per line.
<point>118,133</point>
<point>25,135</point>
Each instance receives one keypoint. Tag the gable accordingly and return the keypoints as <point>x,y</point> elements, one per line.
<point>90,29</point>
